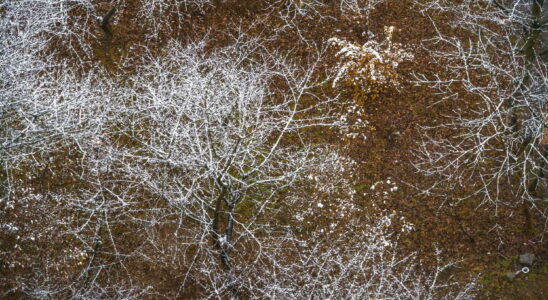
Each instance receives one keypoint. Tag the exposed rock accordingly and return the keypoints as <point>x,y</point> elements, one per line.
<point>527,259</point>
<point>510,275</point>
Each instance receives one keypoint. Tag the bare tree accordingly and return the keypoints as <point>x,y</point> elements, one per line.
<point>210,136</point>
<point>50,112</point>
<point>26,31</point>
<point>496,67</point>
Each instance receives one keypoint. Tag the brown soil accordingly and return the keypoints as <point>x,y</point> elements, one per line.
<point>461,231</point>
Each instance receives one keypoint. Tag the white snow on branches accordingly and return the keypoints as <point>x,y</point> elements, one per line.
<point>370,64</point>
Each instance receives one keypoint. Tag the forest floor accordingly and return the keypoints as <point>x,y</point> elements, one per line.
<point>485,244</point>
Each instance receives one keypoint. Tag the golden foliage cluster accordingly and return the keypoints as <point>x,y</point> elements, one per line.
<point>367,69</point>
